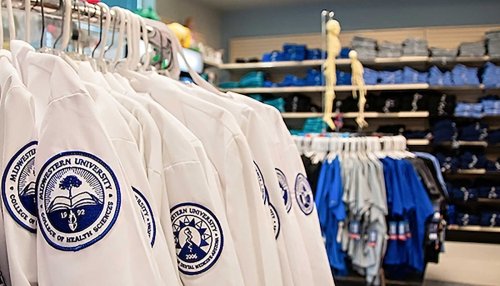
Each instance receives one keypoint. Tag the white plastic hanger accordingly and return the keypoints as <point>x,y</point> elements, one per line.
<point>10,16</point>
<point>27,20</point>
<point>101,63</point>
<point>66,28</point>
<point>1,29</point>
<point>121,34</point>
<point>145,38</point>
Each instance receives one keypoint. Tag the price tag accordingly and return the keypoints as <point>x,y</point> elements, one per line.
<point>354,231</point>
<point>372,238</point>
<point>401,231</point>
<point>393,230</point>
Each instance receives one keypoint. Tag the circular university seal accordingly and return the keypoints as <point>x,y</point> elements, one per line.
<point>262,184</point>
<point>18,187</point>
<point>78,200</point>
<point>285,190</point>
<point>198,237</point>
<point>276,221</point>
<point>147,215</point>
<point>303,194</point>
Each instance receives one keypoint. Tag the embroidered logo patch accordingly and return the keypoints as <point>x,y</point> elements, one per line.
<point>78,200</point>
<point>147,215</point>
<point>276,221</point>
<point>18,187</point>
<point>198,237</point>
<point>303,194</point>
<point>262,184</point>
<point>285,190</point>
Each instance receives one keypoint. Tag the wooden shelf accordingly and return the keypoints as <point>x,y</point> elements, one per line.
<point>368,115</point>
<point>474,228</point>
<point>400,61</point>
<point>320,89</point>
<point>417,142</point>
<point>473,174</point>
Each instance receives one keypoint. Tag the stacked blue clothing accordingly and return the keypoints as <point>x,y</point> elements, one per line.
<point>472,110</point>
<point>491,105</point>
<point>491,75</point>
<point>462,75</point>
<point>489,192</point>
<point>370,76</point>
<point>437,77</point>
<point>448,163</point>
<point>465,219</point>
<point>444,131</point>
<point>473,132</point>
<point>293,52</point>
<point>313,78</point>
<point>390,77</point>
<point>344,78</point>
<point>413,76</point>
<point>494,136</point>
<point>463,194</point>
<point>489,219</point>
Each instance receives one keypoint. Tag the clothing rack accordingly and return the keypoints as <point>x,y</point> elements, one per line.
<point>330,149</point>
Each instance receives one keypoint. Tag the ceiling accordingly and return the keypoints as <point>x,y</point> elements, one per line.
<point>241,4</point>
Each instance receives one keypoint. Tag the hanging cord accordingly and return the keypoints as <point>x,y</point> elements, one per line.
<point>359,87</point>
<point>333,50</point>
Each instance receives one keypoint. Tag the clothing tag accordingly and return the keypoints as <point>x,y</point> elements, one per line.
<point>401,231</point>
<point>393,230</point>
<point>407,229</point>
<point>372,238</point>
<point>433,231</point>
<point>354,231</point>
<point>340,230</point>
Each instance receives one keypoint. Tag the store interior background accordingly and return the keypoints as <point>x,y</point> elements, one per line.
<point>216,22</point>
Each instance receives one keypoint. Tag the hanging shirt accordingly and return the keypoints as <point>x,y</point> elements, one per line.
<point>303,214</point>
<point>18,147</point>
<point>86,206</point>
<point>331,212</point>
<point>132,163</point>
<point>252,128</point>
<point>184,159</point>
<point>228,151</point>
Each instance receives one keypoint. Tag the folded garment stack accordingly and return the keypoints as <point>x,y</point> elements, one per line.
<point>491,105</point>
<point>493,43</point>
<point>293,52</point>
<point>491,76</point>
<point>366,47</point>
<point>472,49</point>
<point>471,110</point>
<point>413,76</point>
<point>443,53</point>
<point>462,75</point>
<point>415,47</point>
<point>439,78</point>
<point>390,50</point>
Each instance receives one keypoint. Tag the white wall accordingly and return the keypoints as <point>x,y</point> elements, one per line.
<point>207,21</point>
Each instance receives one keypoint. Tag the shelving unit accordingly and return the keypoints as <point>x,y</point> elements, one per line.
<point>400,61</point>
<point>404,114</point>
